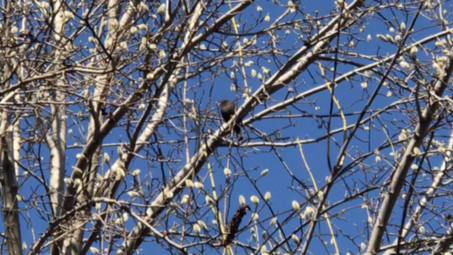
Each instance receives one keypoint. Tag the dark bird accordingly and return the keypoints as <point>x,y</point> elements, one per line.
<point>228,109</point>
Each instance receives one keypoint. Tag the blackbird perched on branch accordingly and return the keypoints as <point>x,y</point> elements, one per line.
<point>228,109</point>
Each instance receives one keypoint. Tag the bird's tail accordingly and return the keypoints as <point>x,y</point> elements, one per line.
<point>237,130</point>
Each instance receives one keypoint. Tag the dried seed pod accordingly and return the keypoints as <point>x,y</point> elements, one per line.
<point>235,222</point>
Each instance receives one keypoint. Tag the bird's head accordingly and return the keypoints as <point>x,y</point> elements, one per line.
<point>223,102</point>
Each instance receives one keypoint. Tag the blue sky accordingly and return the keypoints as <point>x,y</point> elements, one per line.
<point>247,163</point>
